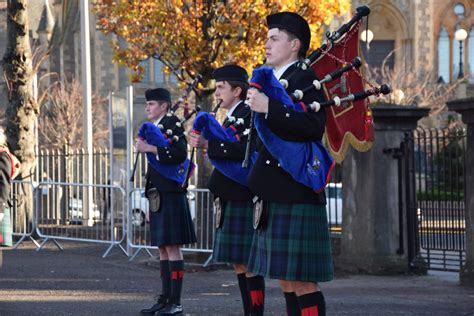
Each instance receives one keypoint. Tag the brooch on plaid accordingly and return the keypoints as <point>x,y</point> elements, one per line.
<point>314,166</point>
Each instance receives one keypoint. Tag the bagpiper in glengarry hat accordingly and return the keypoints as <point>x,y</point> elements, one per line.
<point>231,73</point>
<point>158,94</point>
<point>293,23</point>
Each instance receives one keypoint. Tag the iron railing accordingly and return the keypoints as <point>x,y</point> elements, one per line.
<point>438,157</point>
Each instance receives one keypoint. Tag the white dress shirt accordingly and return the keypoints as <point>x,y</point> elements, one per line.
<point>156,124</point>
<point>229,113</point>
<point>278,73</point>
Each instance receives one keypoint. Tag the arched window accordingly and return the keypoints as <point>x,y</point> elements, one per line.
<point>470,55</point>
<point>443,55</point>
<point>146,73</point>
<point>153,72</point>
<point>158,75</point>
<point>449,46</point>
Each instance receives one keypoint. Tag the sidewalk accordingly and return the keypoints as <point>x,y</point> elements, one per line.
<point>77,281</point>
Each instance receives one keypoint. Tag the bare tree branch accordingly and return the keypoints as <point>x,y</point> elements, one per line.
<point>412,87</point>
<point>59,121</point>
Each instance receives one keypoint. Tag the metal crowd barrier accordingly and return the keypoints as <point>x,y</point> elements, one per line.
<point>22,225</point>
<point>80,212</point>
<point>202,214</point>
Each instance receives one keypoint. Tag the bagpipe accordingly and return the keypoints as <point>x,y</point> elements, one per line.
<point>206,125</point>
<point>307,162</point>
<point>184,97</point>
<point>161,137</point>
<point>154,136</point>
<point>331,39</point>
<point>349,122</point>
<point>348,118</point>
<point>191,158</point>
<point>171,134</point>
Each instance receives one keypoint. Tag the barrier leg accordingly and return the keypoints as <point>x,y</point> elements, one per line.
<point>106,253</point>
<point>46,240</point>
<point>138,251</point>
<point>19,242</point>
<point>34,241</point>
<point>207,261</point>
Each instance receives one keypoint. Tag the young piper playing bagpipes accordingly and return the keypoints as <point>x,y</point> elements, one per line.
<point>171,225</point>
<point>293,245</point>
<point>228,182</point>
<point>293,167</point>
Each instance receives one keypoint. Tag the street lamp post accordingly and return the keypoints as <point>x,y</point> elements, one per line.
<point>398,95</point>
<point>461,36</point>
<point>367,36</point>
<point>87,115</point>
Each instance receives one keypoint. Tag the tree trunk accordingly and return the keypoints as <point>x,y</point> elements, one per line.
<point>22,110</point>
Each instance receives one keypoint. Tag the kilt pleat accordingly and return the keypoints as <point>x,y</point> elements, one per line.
<point>295,244</point>
<point>172,225</point>
<point>233,240</point>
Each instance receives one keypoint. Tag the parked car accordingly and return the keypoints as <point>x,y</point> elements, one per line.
<point>139,206</point>
<point>334,203</point>
<point>75,211</point>
<point>191,195</point>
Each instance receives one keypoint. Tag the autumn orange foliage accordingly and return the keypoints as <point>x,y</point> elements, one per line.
<point>195,37</point>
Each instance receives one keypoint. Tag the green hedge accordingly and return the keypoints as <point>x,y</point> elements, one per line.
<point>440,195</point>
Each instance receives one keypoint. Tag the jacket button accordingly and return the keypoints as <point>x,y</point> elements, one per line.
<point>222,144</point>
<point>267,162</point>
<point>287,114</point>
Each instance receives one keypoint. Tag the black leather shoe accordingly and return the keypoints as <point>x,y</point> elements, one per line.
<point>171,309</point>
<point>160,305</point>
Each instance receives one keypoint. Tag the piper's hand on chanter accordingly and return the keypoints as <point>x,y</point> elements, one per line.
<point>197,140</point>
<point>142,146</point>
<point>257,101</point>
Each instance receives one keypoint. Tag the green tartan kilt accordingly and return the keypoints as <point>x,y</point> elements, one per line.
<point>172,225</point>
<point>6,239</point>
<point>295,245</point>
<point>233,240</point>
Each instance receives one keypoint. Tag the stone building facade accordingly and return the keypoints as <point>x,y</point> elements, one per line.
<point>421,32</point>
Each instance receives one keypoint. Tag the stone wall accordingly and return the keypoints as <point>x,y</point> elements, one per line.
<point>423,30</point>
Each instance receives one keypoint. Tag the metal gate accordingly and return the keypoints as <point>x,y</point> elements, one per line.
<point>435,197</point>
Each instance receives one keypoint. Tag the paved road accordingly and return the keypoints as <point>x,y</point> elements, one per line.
<point>77,281</point>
